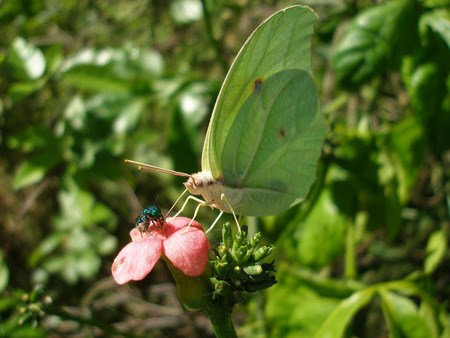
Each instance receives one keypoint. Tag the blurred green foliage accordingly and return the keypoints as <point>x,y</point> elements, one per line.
<point>86,84</point>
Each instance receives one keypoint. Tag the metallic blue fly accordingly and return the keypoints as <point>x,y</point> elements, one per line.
<point>150,216</point>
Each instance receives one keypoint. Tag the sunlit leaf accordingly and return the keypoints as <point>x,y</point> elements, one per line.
<point>26,60</point>
<point>295,310</point>
<point>428,86</point>
<point>186,11</point>
<point>337,322</point>
<point>54,57</point>
<point>32,138</point>
<point>406,316</point>
<point>46,246</point>
<point>406,145</point>
<point>35,168</point>
<point>113,70</point>
<point>320,237</point>
<point>439,22</point>
<point>368,45</point>
<point>4,274</point>
<point>435,251</point>
<point>20,90</point>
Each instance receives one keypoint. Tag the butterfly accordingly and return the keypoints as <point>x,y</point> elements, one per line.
<point>266,131</point>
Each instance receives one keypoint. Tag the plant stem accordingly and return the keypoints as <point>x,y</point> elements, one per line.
<point>221,322</point>
<point>350,255</point>
<point>214,42</point>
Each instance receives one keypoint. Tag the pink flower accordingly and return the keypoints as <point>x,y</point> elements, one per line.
<point>186,249</point>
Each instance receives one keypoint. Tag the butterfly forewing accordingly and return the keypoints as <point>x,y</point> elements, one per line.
<point>281,42</point>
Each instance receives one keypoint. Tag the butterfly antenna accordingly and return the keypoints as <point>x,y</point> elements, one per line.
<point>152,168</point>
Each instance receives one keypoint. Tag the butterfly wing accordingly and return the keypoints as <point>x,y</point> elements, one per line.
<point>270,154</point>
<point>281,42</point>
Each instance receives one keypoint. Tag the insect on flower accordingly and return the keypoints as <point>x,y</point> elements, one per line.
<point>150,216</point>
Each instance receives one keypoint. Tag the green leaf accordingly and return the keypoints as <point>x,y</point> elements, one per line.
<point>122,110</point>
<point>372,41</point>
<point>4,274</point>
<point>113,70</point>
<point>186,11</point>
<point>406,145</point>
<point>45,248</point>
<point>33,138</point>
<point>428,88</point>
<point>293,309</point>
<point>20,90</point>
<point>404,316</point>
<point>320,238</point>
<point>338,321</point>
<point>435,251</point>
<point>439,22</point>
<point>35,168</point>
<point>54,57</point>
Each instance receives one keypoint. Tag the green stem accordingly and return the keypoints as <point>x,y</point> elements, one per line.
<point>221,322</point>
<point>195,294</point>
<point>350,255</point>
<point>214,42</point>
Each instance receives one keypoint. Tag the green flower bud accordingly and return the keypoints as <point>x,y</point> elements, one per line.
<point>222,288</point>
<point>262,252</point>
<point>248,255</point>
<point>221,268</point>
<point>252,270</point>
<point>255,239</point>
<point>240,254</point>
<point>227,236</point>
<point>222,250</point>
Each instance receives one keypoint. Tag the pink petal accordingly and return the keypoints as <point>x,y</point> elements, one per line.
<point>136,260</point>
<point>177,223</point>
<point>187,249</point>
<point>135,234</point>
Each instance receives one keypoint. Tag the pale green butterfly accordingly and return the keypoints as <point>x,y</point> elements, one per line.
<point>266,131</point>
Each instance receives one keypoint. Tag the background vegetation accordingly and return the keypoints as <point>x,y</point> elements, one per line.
<point>86,84</point>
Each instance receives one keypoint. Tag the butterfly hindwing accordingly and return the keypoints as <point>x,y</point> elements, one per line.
<point>272,148</point>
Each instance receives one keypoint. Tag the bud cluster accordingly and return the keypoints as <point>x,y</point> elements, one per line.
<point>238,268</point>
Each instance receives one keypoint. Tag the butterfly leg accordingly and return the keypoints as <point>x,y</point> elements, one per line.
<point>224,198</point>
<point>215,221</point>
<point>200,204</point>
<point>198,200</point>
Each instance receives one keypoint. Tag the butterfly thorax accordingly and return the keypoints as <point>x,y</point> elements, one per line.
<point>203,183</point>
